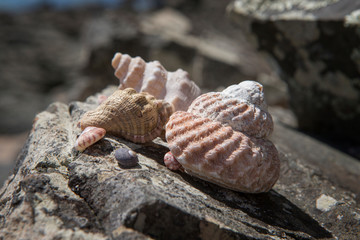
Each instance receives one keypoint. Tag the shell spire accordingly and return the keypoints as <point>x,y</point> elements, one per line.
<point>247,91</point>
<point>175,87</point>
<point>236,112</point>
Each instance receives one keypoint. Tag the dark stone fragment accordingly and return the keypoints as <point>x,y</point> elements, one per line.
<point>126,157</point>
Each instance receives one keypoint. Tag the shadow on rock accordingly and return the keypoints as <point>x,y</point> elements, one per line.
<point>270,208</point>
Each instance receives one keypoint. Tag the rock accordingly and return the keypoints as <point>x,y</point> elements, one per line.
<point>49,55</point>
<point>316,46</point>
<point>212,60</point>
<point>325,203</point>
<point>167,35</point>
<point>58,193</point>
<point>10,146</point>
<point>37,62</point>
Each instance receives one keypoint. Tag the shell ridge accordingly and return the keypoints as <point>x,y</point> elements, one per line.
<point>174,87</point>
<point>157,77</point>
<point>231,157</point>
<point>215,155</point>
<point>219,110</point>
<point>232,112</point>
<point>195,125</point>
<point>239,160</point>
<point>195,135</point>
<point>198,149</point>
<point>209,103</point>
<point>226,148</point>
<point>89,136</point>
<point>122,66</point>
<point>182,129</point>
<point>134,116</point>
<point>115,60</point>
<point>225,112</point>
<point>120,120</point>
<point>145,137</point>
<point>237,113</point>
<point>135,73</point>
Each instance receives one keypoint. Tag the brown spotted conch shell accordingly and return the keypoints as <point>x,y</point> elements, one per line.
<point>225,143</point>
<point>137,117</point>
<point>174,87</point>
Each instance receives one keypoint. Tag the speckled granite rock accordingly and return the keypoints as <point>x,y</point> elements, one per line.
<point>316,45</point>
<point>57,193</point>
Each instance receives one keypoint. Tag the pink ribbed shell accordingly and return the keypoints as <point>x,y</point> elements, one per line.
<point>221,139</point>
<point>174,87</point>
<point>88,137</point>
<point>218,154</point>
<point>239,114</point>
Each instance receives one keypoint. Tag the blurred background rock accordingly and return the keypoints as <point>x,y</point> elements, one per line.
<point>57,50</point>
<point>316,46</point>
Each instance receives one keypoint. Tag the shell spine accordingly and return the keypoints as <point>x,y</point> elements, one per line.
<point>174,87</point>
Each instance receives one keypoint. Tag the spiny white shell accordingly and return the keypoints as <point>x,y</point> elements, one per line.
<point>218,154</point>
<point>239,114</point>
<point>175,87</point>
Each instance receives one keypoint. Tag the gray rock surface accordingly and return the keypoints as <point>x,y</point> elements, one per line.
<point>39,58</point>
<point>212,59</point>
<point>49,55</point>
<point>316,47</point>
<point>57,193</point>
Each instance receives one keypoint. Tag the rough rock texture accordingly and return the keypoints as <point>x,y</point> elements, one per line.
<point>316,45</point>
<point>57,193</point>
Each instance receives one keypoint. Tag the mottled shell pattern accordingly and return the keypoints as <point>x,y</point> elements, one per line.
<point>138,117</point>
<point>221,139</point>
<point>174,87</point>
<point>242,109</point>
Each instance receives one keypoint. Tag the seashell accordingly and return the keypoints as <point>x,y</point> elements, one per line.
<point>240,115</point>
<point>137,117</point>
<point>174,87</point>
<point>171,163</point>
<point>247,91</point>
<point>101,98</point>
<point>88,137</point>
<point>126,157</point>
<point>218,154</point>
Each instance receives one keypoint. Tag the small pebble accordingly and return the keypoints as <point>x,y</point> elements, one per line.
<point>126,157</point>
<point>324,203</point>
